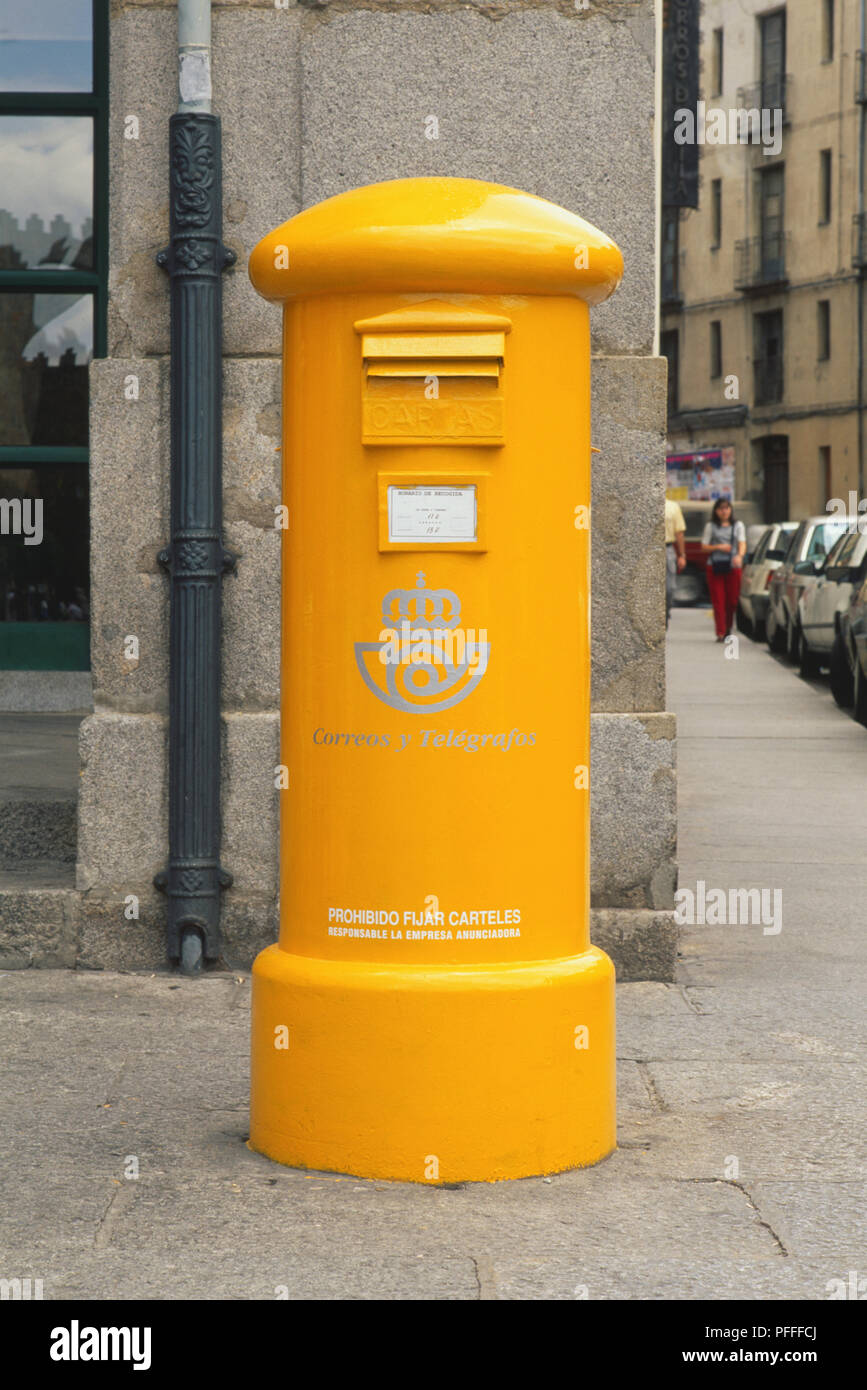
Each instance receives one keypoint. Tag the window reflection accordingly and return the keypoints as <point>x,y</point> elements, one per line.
<point>46,192</point>
<point>46,342</point>
<point>46,46</point>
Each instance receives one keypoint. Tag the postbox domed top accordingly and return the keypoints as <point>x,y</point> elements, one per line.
<point>455,235</point>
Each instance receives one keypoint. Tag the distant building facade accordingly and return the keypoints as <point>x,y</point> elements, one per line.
<point>762,283</point>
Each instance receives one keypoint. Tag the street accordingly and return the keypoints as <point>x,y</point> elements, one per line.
<point>741,1088</point>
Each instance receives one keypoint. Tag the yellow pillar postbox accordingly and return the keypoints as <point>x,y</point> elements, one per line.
<point>434,1010</point>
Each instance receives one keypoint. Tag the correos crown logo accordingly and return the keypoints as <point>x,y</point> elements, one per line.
<point>424,661</point>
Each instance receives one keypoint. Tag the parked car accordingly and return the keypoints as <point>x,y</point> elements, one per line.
<point>691,582</point>
<point>852,646</point>
<point>809,544</point>
<point>826,597</point>
<point>841,676</point>
<point>755,531</point>
<point>758,568</point>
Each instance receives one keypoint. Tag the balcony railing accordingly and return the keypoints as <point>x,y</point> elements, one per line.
<point>774,94</point>
<point>760,261</point>
<point>768,380</point>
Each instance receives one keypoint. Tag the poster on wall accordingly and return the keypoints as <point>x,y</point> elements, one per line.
<point>702,476</point>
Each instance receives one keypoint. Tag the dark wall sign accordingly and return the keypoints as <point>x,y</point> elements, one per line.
<point>680,59</point>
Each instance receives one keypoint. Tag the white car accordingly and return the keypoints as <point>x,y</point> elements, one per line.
<point>758,568</point>
<point>805,555</point>
<point>825,597</point>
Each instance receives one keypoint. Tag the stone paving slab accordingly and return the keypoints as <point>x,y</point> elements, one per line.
<point>740,1171</point>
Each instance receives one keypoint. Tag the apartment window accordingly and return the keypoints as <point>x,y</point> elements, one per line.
<point>774,453</point>
<point>715,349</point>
<point>825,168</point>
<point>823,333</point>
<point>669,347</point>
<point>715,214</point>
<point>717,63</point>
<point>827,31</point>
<point>772,29</point>
<point>670,254</point>
<point>771,239</point>
<point>824,475</point>
<point>768,357</point>
<point>53,282</point>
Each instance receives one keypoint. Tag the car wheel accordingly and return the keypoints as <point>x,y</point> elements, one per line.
<point>758,632</point>
<point>743,622</point>
<point>860,694</point>
<point>792,640</point>
<point>842,684</point>
<point>808,661</point>
<point>774,634</point>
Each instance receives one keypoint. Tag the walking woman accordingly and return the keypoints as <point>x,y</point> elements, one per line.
<point>724,542</point>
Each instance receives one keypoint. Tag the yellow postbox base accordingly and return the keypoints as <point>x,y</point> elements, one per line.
<point>433,1074</point>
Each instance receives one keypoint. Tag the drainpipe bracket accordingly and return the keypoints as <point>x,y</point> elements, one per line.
<point>228,561</point>
<point>193,889</point>
<point>225,879</point>
<point>195,253</point>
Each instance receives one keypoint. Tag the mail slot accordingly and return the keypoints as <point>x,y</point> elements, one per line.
<point>433,378</point>
<point>461,355</point>
<point>434,1010</point>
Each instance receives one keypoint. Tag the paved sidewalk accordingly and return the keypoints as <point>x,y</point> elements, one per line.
<point>742,1092</point>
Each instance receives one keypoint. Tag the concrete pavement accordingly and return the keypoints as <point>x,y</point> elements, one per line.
<point>741,1166</point>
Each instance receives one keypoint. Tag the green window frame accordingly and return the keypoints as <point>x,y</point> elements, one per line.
<point>24,643</point>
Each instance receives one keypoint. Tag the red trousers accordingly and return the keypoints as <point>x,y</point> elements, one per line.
<point>724,591</point>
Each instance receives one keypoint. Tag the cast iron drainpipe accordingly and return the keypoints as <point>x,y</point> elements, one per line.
<point>195,559</point>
